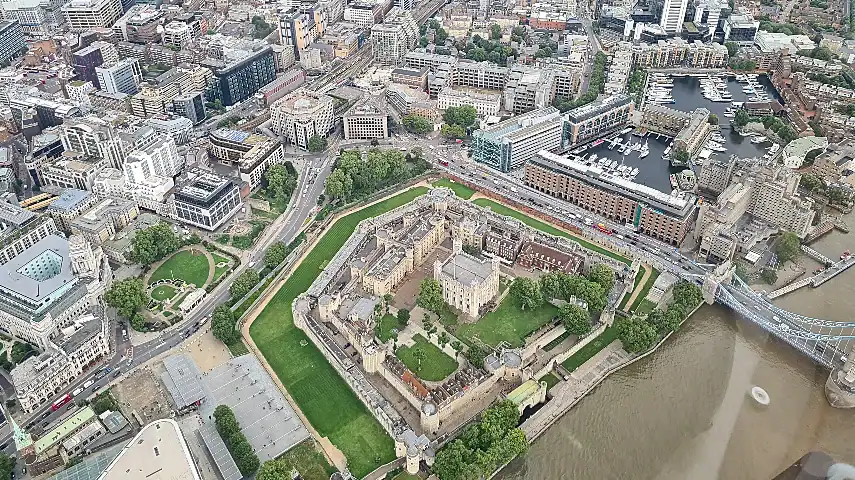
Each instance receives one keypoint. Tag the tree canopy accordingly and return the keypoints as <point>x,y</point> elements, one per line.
<point>430,295</point>
<point>575,319</point>
<point>788,247</point>
<point>316,144</point>
<point>280,182</point>
<point>495,32</point>
<point>712,119</point>
<point>357,176</point>
<point>464,116</point>
<point>223,325</point>
<point>154,243</point>
<point>239,447</point>
<point>244,283</point>
<point>126,296</point>
<point>275,254</point>
<point>452,131</point>
<point>417,124</point>
<point>527,291</point>
<point>732,48</point>
<point>636,334</point>
<point>602,275</point>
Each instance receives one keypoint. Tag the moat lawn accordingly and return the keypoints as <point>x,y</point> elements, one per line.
<point>545,227</point>
<point>459,189</point>
<point>434,367</point>
<point>509,323</point>
<point>323,396</point>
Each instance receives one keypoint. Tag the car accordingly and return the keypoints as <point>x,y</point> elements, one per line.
<point>88,384</point>
<point>77,391</point>
<point>775,318</point>
<point>784,327</point>
<point>46,414</point>
<point>843,358</point>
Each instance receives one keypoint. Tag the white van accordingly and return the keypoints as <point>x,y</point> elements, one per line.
<point>588,221</point>
<point>77,391</point>
<point>88,384</point>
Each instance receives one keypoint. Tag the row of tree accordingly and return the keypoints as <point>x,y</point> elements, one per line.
<point>836,194</point>
<point>239,448</point>
<point>417,124</point>
<point>640,333</point>
<point>458,121</point>
<point>357,176</point>
<point>483,446</point>
<point>128,296</point>
<point>595,86</point>
<point>770,122</point>
<point>593,290</point>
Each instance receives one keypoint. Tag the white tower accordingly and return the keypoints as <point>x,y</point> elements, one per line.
<point>673,14</point>
<point>82,258</point>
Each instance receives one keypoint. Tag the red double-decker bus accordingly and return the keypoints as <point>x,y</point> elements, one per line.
<point>62,401</point>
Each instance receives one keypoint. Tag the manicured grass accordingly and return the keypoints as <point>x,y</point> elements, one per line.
<point>644,290</point>
<point>219,271</point>
<point>163,292</point>
<point>385,326</point>
<point>645,307</point>
<point>177,302</point>
<point>545,227</point>
<point>190,266</point>
<point>551,380</point>
<point>636,281</point>
<point>446,316</point>
<point>434,367</point>
<point>585,353</point>
<point>460,190</point>
<point>549,346</point>
<point>308,461</point>
<point>509,323</point>
<point>406,476</point>
<point>237,348</point>
<point>324,398</point>
<point>168,313</point>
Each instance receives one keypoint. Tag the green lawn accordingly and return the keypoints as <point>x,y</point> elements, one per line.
<point>190,266</point>
<point>307,460</point>
<point>237,348</point>
<point>446,316</point>
<point>638,276</point>
<point>163,292</point>
<point>168,313</point>
<point>551,380</point>
<point>385,326</point>
<point>509,323</point>
<point>324,398</point>
<point>644,290</point>
<point>219,271</point>
<point>460,190</point>
<point>545,227</point>
<point>585,353</point>
<point>436,365</point>
<point>645,307</point>
<point>406,476</point>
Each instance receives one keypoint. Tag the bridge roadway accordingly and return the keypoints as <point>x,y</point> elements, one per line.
<point>825,341</point>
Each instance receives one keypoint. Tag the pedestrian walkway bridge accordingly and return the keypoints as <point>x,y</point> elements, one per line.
<point>816,255</point>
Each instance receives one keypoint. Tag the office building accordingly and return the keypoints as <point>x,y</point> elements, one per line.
<point>486,104</point>
<point>284,84</point>
<point>254,163</point>
<point>301,26</point>
<point>531,88</point>
<point>180,129</point>
<point>191,105</point>
<point>395,37</point>
<point>468,283</point>
<point>252,154</point>
<point>11,41</point>
<point>110,182</point>
<point>122,77</point>
<point>241,75</point>
<point>508,145</point>
<point>172,457</point>
<point>94,137</point>
<point>159,158</point>
<point>108,216</point>
<point>301,115</point>
<point>155,96</point>
<point>673,16</point>
<point>82,15</point>
<point>71,170</point>
<point>662,216</point>
<point>695,132</point>
<point>36,17</point>
<point>364,13</point>
<point>411,101</point>
<point>177,35</point>
<point>707,14</point>
<point>140,24</point>
<point>366,120</point>
<point>85,60</point>
<point>590,122</point>
<point>70,204</point>
<point>21,229</point>
<point>716,173</point>
<point>206,200</point>
<point>740,27</point>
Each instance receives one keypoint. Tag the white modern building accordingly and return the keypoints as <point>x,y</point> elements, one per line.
<point>111,182</point>
<point>508,145</point>
<point>301,115</point>
<point>365,121</point>
<point>21,229</point>
<point>206,200</point>
<point>160,158</point>
<point>485,104</point>
<point>93,137</point>
<point>82,15</point>
<point>395,37</point>
<point>177,34</point>
<point>673,16</point>
<point>122,77</point>
<point>179,128</point>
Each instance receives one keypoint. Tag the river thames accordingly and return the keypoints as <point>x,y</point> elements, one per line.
<point>684,413</point>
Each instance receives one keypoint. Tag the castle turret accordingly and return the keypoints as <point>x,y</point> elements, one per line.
<point>82,258</point>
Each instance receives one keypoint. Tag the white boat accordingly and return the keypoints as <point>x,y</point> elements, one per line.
<point>593,157</point>
<point>634,172</point>
<point>667,151</point>
<point>613,165</point>
<point>626,130</point>
<point>643,153</point>
<point>758,139</point>
<point>717,148</point>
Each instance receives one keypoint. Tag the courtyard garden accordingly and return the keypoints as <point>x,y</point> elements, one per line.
<point>426,360</point>
<point>508,323</point>
<point>163,292</point>
<point>545,227</point>
<point>322,395</point>
<point>387,326</point>
<point>191,266</point>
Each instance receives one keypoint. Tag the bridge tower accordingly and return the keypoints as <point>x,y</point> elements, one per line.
<point>721,274</point>
<point>840,386</point>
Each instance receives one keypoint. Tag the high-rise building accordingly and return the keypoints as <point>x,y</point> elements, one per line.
<point>82,15</point>
<point>180,129</point>
<point>301,115</point>
<point>11,40</point>
<point>740,27</point>
<point>85,60</point>
<point>300,26</point>
<point>206,200</point>
<point>673,16</point>
<point>158,159</point>
<point>93,137</point>
<point>140,24</point>
<point>395,37</point>
<point>240,76</point>
<point>36,17</point>
<point>122,77</point>
<point>191,105</point>
<point>507,145</point>
<point>177,35</point>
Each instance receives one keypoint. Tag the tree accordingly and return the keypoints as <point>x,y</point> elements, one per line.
<point>126,296</point>
<point>575,319</point>
<point>673,318</point>
<point>419,354</point>
<point>138,322</point>
<point>741,118</point>
<point>787,247</point>
<point>21,351</point>
<point>452,131</point>
<point>443,339</point>
<point>602,275</point>
<point>732,48</point>
<point>7,465</point>
<point>280,182</point>
<point>223,325</point>
<point>495,32</point>
<point>497,421</point>
<point>769,275</point>
<point>636,334</point>
<point>452,461</point>
<point>550,285</point>
<point>811,183</point>
<point>527,291</point>
<point>154,243</point>
<point>244,283</point>
<point>338,185</point>
<point>463,116</point>
<point>403,316</point>
<point>274,470</point>
<point>543,52</point>
<point>456,345</point>
<point>430,295</point>
<point>680,155</point>
<point>417,124</point>
<point>786,134</point>
<point>317,144</point>
<point>712,119</point>
<point>687,294</point>
<point>275,255</point>
<point>476,355</point>
<point>225,421</point>
<point>103,402</point>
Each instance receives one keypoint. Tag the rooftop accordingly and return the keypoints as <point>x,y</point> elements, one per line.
<point>183,380</point>
<point>69,199</point>
<point>38,271</point>
<point>157,452</point>
<point>64,429</point>
<point>466,269</point>
<point>598,107</point>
